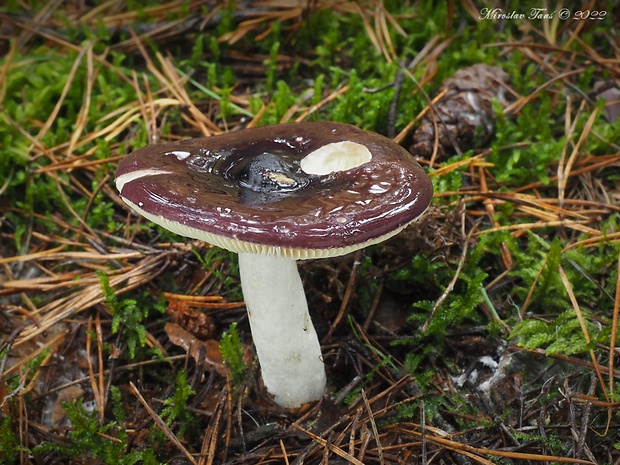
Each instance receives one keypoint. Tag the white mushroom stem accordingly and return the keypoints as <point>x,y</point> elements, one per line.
<point>288,348</point>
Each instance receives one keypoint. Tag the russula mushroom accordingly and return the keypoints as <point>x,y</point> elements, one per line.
<point>274,195</point>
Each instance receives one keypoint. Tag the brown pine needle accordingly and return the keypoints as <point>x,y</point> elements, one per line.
<point>284,453</point>
<point>82,117</point>
<point>161,424</point>
<point>211,435</point>
<point>401,136</point>
<point>193,298</point>
<point>373,426</point>
<point>97,387</point>
<point>52,346</point>
<point>564,171</point>
<point>333,448</point>
<point>584,328</point>
<point>53,115</point>
<point>56,255</point>
<point>518,105</point>
<point>506,256</point>
<point>434,435</point>
<point>475,161</point>
<point>91,294</point>
<point>594,241</point>
<point>4,69</point>
<point>330,98</point>
<point>614,331</point>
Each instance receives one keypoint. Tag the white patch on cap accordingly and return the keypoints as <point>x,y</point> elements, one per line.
<point>133,175</point>
<point>337,156</point>
<point>180,154</point>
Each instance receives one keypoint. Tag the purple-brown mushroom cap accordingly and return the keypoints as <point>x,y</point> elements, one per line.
<point>246,190</point>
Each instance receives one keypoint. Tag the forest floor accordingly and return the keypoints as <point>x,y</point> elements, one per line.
<point>484,333</point>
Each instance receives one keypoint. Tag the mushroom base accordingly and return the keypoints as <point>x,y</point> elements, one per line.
<point>287,345</point>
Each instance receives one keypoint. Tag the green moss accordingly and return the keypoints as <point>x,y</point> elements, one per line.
<point>9,442</point>
<point>89,439</point>
<point>175,409</point>
<point>233,354</point>
<point>128,315</point>
<point>227,275</point>
<point>561,335</point>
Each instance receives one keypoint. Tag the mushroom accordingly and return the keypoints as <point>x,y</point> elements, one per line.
<point>274,195</point>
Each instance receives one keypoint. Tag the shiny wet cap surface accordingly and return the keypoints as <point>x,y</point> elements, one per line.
<point>246,190</point>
